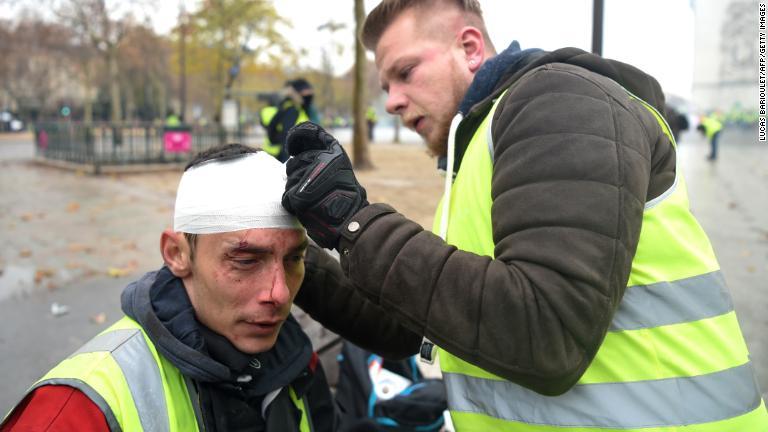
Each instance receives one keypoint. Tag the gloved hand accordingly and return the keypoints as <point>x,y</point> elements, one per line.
<point>321,190</point>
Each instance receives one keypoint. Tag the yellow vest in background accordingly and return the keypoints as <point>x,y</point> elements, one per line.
<point>267,114</point>
<point>711,126</point>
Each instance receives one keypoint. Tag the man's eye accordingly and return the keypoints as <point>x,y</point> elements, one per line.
<point>295,258</point>
<point>245,263</point>
<point>405,73</point>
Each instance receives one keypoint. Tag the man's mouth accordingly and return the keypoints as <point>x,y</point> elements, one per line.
<point>263,326</point>
<point>417,124</point>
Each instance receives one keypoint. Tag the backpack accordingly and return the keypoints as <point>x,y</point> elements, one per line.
<point>374,394</point>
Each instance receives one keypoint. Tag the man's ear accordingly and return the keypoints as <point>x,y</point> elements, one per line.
<point>473,45</point>
<point>175,251</point>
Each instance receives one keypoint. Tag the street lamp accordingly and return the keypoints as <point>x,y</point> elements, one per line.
<point>597,27</point>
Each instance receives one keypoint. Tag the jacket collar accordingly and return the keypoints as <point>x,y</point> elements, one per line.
<point>501,72</point>
<point>483,90</point>
<point>160,304</point>
<point>493,70</point>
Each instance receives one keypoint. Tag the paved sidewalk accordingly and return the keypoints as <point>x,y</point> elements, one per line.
<point>729,198</point>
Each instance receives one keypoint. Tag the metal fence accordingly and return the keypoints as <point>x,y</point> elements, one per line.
<point>107,144</point>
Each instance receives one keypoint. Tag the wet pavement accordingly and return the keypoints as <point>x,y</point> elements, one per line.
<point>76,240</point>
<point>729,197</point>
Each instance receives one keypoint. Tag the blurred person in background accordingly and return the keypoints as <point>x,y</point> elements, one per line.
<point>710,126</point>
<point>678,122</point>
<point>371,119</point>
<point>296,107</point>
<point>172,120</point>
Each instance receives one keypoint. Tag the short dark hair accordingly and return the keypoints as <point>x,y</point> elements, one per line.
<point>387,11</point>
<point>219,153</point>
<point>299,84</point>
<point>192,240</point>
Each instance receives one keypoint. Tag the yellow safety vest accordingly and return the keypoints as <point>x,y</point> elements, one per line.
<point>674,358</point>
<point>370,114</point>
<point>711,126</point>
<point>136,389</point>
<point>172,121</point>
<point>267,114</point>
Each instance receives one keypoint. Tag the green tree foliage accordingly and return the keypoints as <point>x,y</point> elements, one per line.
<point>227,35</point>
<point>144,62</point>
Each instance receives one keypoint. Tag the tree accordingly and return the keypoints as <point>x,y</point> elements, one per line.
<point>328,94</point>
<point>103,26</point>
<point>360,155</point>
<point>145,61</point>
<point>231,33</point>
<point>35,69</point>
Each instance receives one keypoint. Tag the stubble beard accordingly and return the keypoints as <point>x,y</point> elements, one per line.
<point>438,145</point>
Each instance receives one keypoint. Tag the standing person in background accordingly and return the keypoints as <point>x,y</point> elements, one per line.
<point>678,122</point>
<point>172,120</point>
<point>296,107</point>
<point>552,309</point>
<point>371,119</point>
<point>710,126</point>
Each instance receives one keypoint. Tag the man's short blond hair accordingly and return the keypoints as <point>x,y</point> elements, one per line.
<point>380,18</point>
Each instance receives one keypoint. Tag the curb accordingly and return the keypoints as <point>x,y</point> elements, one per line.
<point>108,169</point>
<point>16,136</point>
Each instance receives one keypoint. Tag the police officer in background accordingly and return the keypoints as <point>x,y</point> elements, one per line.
<point>296,107</point>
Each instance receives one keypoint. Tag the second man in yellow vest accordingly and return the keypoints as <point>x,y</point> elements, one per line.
<point>553,309</point>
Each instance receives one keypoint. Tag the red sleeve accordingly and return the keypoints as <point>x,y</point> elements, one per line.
<point>56,408</point>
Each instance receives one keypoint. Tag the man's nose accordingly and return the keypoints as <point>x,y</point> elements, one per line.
<point>279,294</point>
<point>396,101</point>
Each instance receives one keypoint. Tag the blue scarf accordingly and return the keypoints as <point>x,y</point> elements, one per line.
<point>486,79</point>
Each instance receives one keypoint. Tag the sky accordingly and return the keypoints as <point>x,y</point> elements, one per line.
<point>655,35</point>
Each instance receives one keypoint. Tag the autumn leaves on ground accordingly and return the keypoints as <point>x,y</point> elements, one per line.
<point>62,227</point>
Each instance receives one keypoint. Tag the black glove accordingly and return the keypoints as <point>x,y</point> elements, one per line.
<point>321,190</point>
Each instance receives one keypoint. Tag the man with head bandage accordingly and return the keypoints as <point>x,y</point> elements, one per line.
<point>208,341</point>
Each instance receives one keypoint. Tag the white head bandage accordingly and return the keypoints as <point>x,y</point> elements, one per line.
<point>232,195</point>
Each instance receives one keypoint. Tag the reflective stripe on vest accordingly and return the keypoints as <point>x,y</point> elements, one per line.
<point>643,404</point>
<point>135,388</point>
<point>121,372</point>
<point>141,373</point>
<point>673,356</point>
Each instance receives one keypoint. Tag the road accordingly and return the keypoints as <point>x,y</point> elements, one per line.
<point>77,240</point>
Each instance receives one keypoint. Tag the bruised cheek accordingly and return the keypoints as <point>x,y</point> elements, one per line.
<point>228,286</point>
